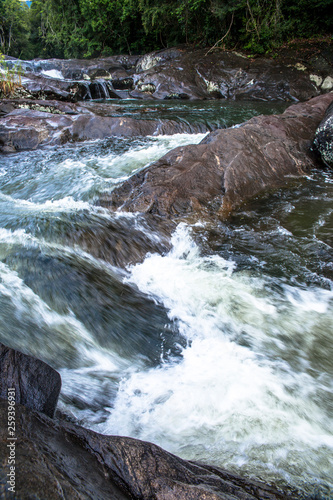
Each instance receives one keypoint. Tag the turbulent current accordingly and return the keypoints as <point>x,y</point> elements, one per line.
<point>217,347</point>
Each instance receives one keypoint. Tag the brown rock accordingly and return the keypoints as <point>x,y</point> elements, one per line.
<point>196,74</point>
<point>36,384</point>
<point>28,128</point>
<point>228,167</point>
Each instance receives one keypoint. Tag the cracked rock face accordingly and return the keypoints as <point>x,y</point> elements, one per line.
<point>323,141</point>
<point>229,167</point>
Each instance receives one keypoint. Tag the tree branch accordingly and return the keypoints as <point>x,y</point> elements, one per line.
<point>224,36</point>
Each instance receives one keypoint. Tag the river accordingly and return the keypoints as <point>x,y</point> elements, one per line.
<point>217,347</point>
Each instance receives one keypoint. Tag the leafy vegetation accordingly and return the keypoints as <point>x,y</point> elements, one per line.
<point>87,28</point>
<point>10,78</point>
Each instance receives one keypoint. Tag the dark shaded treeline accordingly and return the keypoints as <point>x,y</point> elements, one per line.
<point>90,28</point>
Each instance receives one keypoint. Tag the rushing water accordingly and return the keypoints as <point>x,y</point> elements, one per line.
<point>219,348</point>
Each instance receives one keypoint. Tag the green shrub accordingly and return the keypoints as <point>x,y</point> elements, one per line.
<point>10,78</point>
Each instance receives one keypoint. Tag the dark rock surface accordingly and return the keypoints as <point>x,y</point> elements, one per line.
<point>323,141</point>
<point>28,124</point>
<point>57,459</point>
<point>228,167</point>
<point>36,384</point>
<point>175,73</point>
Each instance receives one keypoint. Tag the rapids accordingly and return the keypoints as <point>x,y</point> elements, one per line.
<point>216,345</point>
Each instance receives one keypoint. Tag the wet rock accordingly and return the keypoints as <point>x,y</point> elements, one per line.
<point>38,123</point>
<point>5,108</point>
<point>221,74</point>
<point>74,69</point>
<point>178,73</point>
<point>58,459</point>
<point>228,167</point>
<point>24,129</point>
<point>36,384</point>
<point>124,83</point>
<point>39,87</point>
<point>323,141</point>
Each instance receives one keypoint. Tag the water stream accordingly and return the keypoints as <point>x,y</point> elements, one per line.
<point>216,346</point>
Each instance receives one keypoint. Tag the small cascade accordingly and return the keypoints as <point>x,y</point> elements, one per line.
<point>104,88</point>
<point>85,91</point>
<point>98,89</point>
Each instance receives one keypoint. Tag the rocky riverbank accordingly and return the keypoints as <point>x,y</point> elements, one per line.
<point>57,459</point>
<point>42,110</point>
<point>182,73</point>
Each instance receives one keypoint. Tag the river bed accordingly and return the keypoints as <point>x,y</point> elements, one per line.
<point>218,348</point>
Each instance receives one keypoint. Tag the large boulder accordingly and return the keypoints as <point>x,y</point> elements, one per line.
<point>228,167</point>
<point>323,141</point>
<point>58,459</point>
<point>35,384</point>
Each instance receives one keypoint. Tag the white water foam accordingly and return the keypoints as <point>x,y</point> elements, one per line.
<point>228,401</point>
<point>53,73</point>
<point>83,179</point>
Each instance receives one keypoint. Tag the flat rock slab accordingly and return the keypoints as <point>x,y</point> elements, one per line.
<point>229,167</point>
<point>57,460</point>
<point>35,383</point>
<point>41,123</point>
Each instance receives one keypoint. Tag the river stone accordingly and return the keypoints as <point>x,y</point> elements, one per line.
<point>56,459</point>
<point>228,167</point>
<point>36,384</point>
<point>323,141</point>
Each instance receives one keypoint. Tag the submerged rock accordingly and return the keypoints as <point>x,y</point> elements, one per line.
<point>323,141</point>
<point>36,384</point>
<point>228,167</point>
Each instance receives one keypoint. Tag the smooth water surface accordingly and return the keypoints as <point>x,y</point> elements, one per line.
<point>217,347</point>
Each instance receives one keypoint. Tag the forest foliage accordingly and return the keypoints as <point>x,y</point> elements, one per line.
<point>90,28</point>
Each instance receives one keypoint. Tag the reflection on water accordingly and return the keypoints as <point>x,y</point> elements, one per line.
<point>216,344</point>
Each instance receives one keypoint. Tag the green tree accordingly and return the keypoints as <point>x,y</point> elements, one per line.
<point>14,28</point>
<point>89,28</point>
